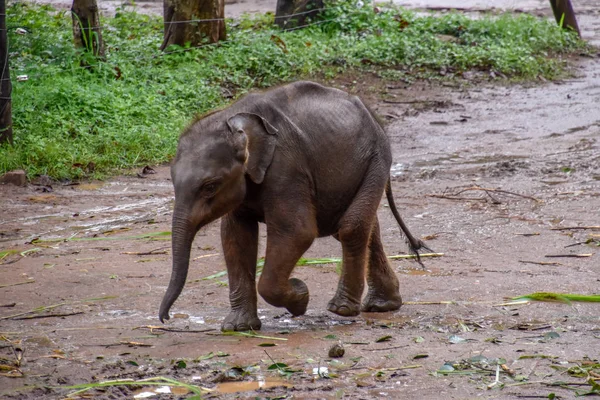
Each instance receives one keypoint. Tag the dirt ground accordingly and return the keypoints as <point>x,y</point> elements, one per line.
<point>79,299</point>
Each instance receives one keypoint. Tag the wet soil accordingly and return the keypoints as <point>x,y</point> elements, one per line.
<point>96,257</point>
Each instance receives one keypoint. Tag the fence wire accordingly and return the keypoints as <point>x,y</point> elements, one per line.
<point>255,37</point>
<point>197,21</point>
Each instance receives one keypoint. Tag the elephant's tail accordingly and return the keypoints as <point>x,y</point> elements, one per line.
<point>413,243</point>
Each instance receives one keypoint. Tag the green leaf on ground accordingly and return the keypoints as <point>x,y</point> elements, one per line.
<point>386,338</point>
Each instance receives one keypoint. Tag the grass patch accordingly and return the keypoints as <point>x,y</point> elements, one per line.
<point>125,111</point>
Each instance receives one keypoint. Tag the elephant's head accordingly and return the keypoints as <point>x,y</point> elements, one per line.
<point>214,157</point>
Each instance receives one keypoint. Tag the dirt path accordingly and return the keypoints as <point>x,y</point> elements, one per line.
<point>107,279</point>
<point>235,8</point>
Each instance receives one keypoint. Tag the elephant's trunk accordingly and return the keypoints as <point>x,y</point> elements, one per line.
<point>183,233</point>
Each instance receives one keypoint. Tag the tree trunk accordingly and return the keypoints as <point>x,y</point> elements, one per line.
<point>292,14</point>
<point>6,133</point>
<point>182,26</point>
<point>87,32</point>
<point>564,14</point>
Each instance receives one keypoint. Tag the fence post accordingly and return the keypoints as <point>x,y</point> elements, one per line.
<point>6,131</point>
<point>87,32</point>
<point>563,12</point>
<point>293,13</point>
<point>179,28</point>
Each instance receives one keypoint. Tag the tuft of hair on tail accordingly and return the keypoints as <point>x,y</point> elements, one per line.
<point>414,244</point>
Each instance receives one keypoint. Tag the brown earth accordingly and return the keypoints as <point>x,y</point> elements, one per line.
<point>99,265</point>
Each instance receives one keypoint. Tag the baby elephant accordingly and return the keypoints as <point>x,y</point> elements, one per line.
<point>308,161</point>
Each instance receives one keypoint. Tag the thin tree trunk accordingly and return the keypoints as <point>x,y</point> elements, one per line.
<point>563,12</point>
<point>182,26</point>
<point>291,14</point>
<point>6,133</point>
<point>87,32</point>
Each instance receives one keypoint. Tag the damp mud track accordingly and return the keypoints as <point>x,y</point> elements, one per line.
<point>80,290</point>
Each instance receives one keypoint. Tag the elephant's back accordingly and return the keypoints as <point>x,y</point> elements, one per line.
<point>340,143</point>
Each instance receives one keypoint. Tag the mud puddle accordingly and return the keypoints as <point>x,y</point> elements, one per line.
<point>237,387</point>
<point>157,392</point>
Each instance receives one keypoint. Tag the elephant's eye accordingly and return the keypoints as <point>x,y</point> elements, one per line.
<point>209,189</point>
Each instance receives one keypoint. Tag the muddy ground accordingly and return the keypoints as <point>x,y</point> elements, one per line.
<point>95,257</point>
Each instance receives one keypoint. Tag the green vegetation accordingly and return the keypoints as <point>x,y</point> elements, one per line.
<point>566,298</point>
<point>127,110</point>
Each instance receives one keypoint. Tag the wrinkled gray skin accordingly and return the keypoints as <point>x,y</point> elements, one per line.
<point>308,161</point>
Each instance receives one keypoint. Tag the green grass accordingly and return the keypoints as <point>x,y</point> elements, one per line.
<point>128,110</point>
<point>566,298</point>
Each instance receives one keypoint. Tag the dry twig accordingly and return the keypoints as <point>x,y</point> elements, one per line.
<point>387,348</point>
<point>568,255</point>
<point>487,191</point>
<point>410,101</point>
<point>18,283</point>
<point>49,315</point>
<point>539,262</point>
<point>153,328</point>
<point>161,250</point>
<point>566,228</point>
<point>451,197</point>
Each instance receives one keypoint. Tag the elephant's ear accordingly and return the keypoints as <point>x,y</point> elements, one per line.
<point>256,138</point>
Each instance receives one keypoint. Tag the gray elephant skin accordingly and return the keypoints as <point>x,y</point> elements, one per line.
<point>306,160</point>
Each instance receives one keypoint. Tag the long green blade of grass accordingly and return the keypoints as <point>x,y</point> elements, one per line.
<point>320,261</point>
<point>153,235</point>
<point>566,298</point>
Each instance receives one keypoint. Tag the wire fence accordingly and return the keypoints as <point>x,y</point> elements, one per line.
<point>197,21</point>
<point>253,36</point>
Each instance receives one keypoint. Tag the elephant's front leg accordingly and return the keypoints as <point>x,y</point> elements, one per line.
<point>289,235</point>
<point>240,247</point>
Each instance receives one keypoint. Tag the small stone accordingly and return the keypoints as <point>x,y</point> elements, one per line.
<point>17,177</point>
<point>42,180</point>
<point>336,351</point>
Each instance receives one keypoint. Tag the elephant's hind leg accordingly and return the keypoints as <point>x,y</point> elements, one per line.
<point>384,293</point>
<point>354,234</point>
<point>286,243</point>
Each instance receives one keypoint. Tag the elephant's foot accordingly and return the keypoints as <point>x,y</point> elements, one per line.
<point>343,306</point>
<point>299,301</point>
<point>241,320</point>
<point>294,297</point>
<point>380,302</point>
